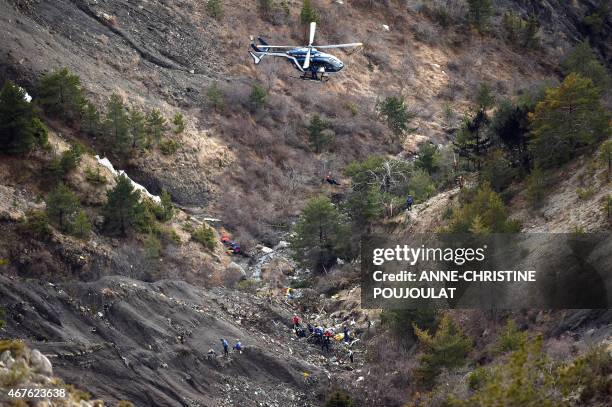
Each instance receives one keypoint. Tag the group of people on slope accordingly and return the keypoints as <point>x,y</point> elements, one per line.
<point>322,336</point>
<point>237,348</point>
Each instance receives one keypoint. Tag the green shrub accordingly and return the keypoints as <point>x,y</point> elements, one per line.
<point>488,206</point>
<point>248,285</point>
<point>588,377</point>
<point>401,322</point>
<point>95,177</point>
<point>510,338</point>
<point>214,8</point>
<point>216,99</point>
<point>478,378</point>
<point>339,399</point>
<point>152,247</point>
<point>169,146</point>
<point>36,224</point>
<point>205,236</point>
<point>585,193</point>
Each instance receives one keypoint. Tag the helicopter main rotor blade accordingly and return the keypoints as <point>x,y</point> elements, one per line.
<point>313,27</point>
<point>352,44</point>
<point>281,46</point>
<point>307,60</point>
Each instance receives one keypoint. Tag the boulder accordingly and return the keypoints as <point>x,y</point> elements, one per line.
<point>40,363</point>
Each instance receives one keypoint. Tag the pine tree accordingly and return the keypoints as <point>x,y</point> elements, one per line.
<point>510,130</point>
<point>20,128</point>
<point>62,204</point>
<point>308,13</point>
<point>116,124</point>
<point>82,225</point>
<point>61,95</point>
<point>123,209</point>
<point>571,115</point>
<point>156,125</point>
<point>484,98</point>
<point>90,123</point>
<point>448,348</point>
<point>395,112</point>
<point>179,123</point>
<point>258,96</point>
<point>167,209</point>
<point>583,61</point>
<point>318,134</point>
<point>472,142</point>
<point>138,135</point>
<point>536,187</point>
<point>428,158</point>
<point>320,235</point>
<point>480,11</point>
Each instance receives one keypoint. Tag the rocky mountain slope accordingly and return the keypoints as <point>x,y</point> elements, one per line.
<point>123,327</point>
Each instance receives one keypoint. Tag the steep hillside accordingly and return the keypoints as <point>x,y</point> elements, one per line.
<point>157,54</point>
<point>130,312</point>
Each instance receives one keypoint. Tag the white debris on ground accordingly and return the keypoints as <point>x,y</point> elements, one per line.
<point>386,27</point>
<point>26,95</point>
<point>106,163</point>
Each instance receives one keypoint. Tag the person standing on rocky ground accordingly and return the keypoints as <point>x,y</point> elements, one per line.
<point>238,346</point>
<point>225,347</point>
<point>347,336</point>
<point>296,321</point>
<point>350,355</point>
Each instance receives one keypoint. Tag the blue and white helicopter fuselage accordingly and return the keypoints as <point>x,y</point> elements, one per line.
<point>309,60</point>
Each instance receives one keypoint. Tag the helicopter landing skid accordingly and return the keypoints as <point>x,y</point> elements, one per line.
<point>310,77</point>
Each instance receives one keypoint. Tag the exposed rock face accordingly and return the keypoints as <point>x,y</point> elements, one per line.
<point>23,368</point>
<point>147,343</point>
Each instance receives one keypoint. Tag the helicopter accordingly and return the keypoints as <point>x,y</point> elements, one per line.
<point>313,63</point>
